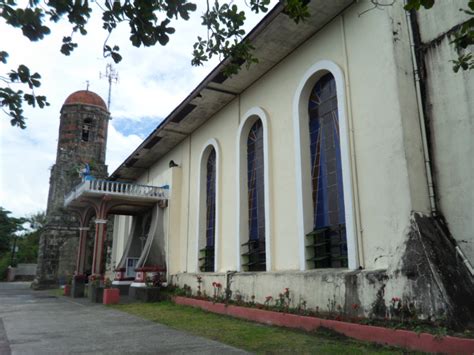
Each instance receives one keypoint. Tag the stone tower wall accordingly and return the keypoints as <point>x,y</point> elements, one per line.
<point>82,139</point>
<point>74,152</point>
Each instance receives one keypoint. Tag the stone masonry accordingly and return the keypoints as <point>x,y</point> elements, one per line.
<point>82,140</point>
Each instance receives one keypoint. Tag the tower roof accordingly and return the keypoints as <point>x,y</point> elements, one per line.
<point>85,97</point>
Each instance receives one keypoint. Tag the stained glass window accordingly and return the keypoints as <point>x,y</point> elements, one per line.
<point>329,234</point>
<point>256,199</point>
<point>208,258</point>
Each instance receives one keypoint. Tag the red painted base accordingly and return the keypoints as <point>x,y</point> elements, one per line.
<point>67,290</point>
<point>385,336</point>
<point>111,296</point>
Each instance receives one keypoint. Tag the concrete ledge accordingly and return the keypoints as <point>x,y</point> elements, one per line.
<point>39,284</point>
<point>78,286</point>
<point>124,289</point>
<point>148,294</point>
<point>385,336</point>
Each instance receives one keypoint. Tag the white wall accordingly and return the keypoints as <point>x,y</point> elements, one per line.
<point>386,162</point>
<point>450,101</point>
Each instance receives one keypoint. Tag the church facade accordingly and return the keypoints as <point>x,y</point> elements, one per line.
<point>328,168</point>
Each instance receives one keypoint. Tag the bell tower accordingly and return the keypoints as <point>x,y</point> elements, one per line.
<point>82,140</point>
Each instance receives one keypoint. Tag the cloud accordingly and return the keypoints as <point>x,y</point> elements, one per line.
<point>142,127</point>
<point>119,147</point>
<point>152,82</point>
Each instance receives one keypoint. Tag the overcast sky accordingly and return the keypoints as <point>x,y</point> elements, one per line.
<point>152,82</point>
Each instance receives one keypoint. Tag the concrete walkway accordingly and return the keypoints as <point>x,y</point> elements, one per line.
<point>34,322</point>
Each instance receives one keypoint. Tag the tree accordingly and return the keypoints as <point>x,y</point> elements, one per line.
<point>464,36</point>
<point>8,227</point>
<point>150,22</point>
<point>29,242</point>
<point>26,241</point>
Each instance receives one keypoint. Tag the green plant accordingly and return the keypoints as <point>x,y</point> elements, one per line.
<point>187,291</point>
<point>301,308</point>
<point>107,283</point>
<point>252,301</point>
<point>282,303</point>
<point>403,309</point>
<point>153,281</point>
<point>268,299</point>
<point>332,306</point>
<point>199,281</point>
<point>217,292</point>
<point>4,263</point>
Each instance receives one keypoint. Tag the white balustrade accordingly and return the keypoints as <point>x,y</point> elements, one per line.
<point>116,188</point>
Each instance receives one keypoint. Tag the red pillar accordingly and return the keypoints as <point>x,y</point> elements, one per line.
<point>81,252</point>
<point>100,234</point>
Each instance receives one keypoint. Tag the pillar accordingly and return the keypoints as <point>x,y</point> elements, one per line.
<point>100,234</point>
<point>81,251</point>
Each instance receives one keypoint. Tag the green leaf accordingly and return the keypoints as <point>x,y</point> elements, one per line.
<point>116,57</point>
<point>3,57</point>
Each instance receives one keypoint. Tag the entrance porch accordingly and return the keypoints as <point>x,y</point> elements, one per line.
<point>144,252</point>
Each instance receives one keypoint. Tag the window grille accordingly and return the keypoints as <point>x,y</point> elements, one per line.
<point>327,243</point>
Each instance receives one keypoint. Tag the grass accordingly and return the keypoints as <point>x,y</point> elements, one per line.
<point>257,338</point>
<point>56,292</point>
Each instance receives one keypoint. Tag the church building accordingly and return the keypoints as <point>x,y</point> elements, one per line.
<point>339,166</point>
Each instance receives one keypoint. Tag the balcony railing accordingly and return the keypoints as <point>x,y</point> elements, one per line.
<point>93,187</point>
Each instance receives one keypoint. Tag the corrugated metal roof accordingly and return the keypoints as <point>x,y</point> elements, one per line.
<point>274,38</point>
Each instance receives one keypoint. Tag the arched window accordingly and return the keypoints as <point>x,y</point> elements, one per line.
<point>86,127</point>
<point>255,251</point>
<point>207,259</point>
<point>328,238</point>
<point>208,206</point>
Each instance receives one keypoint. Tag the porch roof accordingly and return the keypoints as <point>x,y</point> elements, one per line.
<point>126,198</point>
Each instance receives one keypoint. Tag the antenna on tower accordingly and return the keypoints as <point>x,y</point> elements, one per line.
<point>112,77</point>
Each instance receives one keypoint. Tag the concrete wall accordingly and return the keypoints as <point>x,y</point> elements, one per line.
<point>22,272</point>
<point>450,111</point>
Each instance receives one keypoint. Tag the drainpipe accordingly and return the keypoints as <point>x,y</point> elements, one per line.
<point>421,115</point>
<point>464,260</point>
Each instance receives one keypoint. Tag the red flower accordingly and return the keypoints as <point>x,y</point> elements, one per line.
<point>268,298</point>
<point>218,285</point>
<point>213,284</point>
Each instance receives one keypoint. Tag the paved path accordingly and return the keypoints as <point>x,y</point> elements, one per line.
<point>33,322</point>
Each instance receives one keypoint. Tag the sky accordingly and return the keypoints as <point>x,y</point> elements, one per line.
<point>152,82</point>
